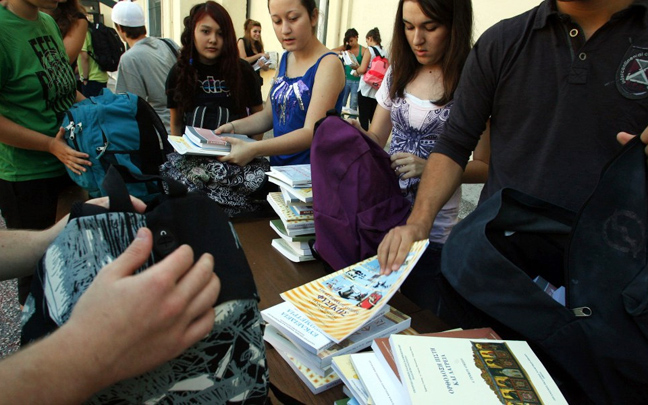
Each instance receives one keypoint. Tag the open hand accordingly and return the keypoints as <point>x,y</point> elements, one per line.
<point>72,159</point>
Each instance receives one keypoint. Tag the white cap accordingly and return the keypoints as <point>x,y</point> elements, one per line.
<point>128,14</point>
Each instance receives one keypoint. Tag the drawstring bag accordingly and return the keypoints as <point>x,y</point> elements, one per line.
<point>227,366</point>
<point>600,336</point>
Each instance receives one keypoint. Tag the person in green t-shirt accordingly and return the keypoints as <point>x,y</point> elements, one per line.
<point>37,86</point>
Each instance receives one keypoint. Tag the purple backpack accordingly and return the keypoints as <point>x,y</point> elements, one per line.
<point>356,196</point>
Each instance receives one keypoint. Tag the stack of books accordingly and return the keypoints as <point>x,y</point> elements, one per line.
<point>338,314</point>
<point>293,205</point>
<point>459,366</point>
<point>201,141</point>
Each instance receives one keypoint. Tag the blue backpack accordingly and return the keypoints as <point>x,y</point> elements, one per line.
<point>120,129</point>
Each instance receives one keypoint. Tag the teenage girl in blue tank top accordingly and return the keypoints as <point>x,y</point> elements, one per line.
<point>308,72</point>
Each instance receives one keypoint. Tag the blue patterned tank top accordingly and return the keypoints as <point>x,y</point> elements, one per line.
<point>290,98</point>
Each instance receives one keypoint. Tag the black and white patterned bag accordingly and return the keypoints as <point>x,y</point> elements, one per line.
<point>229,365</point>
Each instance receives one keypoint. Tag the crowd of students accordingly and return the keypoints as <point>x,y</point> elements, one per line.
<point>442,101</point>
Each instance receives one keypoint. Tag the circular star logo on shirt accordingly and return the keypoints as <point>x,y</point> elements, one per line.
<point>632,76</point>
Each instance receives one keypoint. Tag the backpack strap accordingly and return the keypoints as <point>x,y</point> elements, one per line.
<point>167,41</point>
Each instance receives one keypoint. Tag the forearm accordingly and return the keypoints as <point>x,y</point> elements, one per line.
<point>20,250</point>
<point>59,369</point>
<point>293,142</point>
<point>257,123</point>
<point>84,65</point>
<point>439,181</point>
<point>16,135</point>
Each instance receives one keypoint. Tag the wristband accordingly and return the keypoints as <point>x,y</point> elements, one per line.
<point>233,130</point>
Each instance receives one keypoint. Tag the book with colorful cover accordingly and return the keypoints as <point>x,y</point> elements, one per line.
<point>383,351</point>
<point>313,381</point>
<point>292,200</point>
<point>292,175</point>
<point>344,368</point>
<point>204,137</point>
<point>342,302</point>
<point>301,209</point>
<point>292,253</point>
<point>444,370</point>
<point>290,220</point>
<point>298,242</point>
<point>381,389</point>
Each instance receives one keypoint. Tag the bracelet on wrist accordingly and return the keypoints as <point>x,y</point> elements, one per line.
<point>233,130</point>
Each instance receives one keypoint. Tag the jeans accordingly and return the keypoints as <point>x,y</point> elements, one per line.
<point>351,89</point>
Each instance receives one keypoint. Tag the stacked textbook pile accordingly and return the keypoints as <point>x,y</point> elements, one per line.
<point>202,141</point>
<point>293,205</point>
<point>338,314</point>
<point>452,367</point>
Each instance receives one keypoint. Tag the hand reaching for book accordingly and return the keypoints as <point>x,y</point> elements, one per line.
<point>72,159</point>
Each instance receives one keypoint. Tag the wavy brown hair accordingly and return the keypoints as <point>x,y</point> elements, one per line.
<point>457,16</point>
<point>227,64</point>
<point>257,46</point>
<point>65,14</point>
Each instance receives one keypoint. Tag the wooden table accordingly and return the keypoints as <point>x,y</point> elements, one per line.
<point>275,274</point>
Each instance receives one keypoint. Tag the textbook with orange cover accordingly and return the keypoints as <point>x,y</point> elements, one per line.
<point>341,302</point>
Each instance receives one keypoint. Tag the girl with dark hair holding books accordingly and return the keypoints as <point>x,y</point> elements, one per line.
<point>210,85</point>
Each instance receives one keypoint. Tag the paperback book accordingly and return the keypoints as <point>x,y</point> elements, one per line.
<point>313,381</point>
<point>343,366</point>
<point>298,242</point>
<point>292,222</point>
<point>342,302</point>
<point>303,194</point>
<point>444,370</point>
<point>382,390</point>
<point>292,200</point>
<point>184,146</point>
<point>280,342</point>
<point>382,348</point>
<point>292,253</point>
<point>292,175</point>
<point>393,321</point>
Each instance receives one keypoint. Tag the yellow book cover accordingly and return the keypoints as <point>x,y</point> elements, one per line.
<point>287,215</point>
<point>342,302</point>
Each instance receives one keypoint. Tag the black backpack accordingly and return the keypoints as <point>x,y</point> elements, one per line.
<point>107,47</point>
<point>230,362</point>
<point>600,337</point>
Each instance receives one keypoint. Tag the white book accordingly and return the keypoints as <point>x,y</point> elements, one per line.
<point>292,253</point>
<point>392,322</point>
<point>298,242</point>
<point>349,59</point>
<point>443,370</point>
<point>280,342</point>
<point>343,366</point>
<point>296,327</point>
<point>380,387</point>
<point>315,383</point>
<point>291,200</point>
<point>292,175</point>
<point>304,194</point>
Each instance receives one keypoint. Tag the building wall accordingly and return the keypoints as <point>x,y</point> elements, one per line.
<point>362,15</point>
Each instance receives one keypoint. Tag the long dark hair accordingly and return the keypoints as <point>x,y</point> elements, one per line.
<point>257,46</point>
<point>457,16</point>
<point>65,14</point>
<point>227,66</point>
<point>350,33</point>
